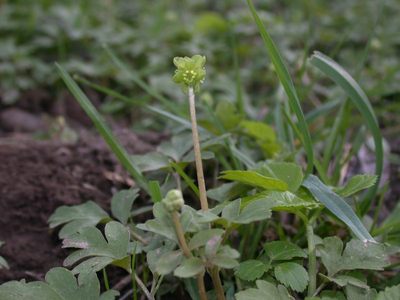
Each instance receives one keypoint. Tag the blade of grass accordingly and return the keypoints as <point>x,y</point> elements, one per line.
<point>288,86</point>
<point>186,178</point>
<point>238,79</point>
<point>337,206</point>
<point>103,129</point>
<point>360,101</point>
<point>143,85</point>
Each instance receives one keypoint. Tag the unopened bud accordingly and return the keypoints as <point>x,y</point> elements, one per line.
<point>173,201</point>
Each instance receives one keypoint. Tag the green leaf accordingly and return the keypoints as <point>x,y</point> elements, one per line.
<point>168,262</point>
<point>355,184</point>
<point>258,130</point>
<point>343,280</point>
<point>102,127</point>
<point>287,172</point>
<point>224,262</point>
<point>227,191</point>
<point>360,100</point>
<point>356,293</point>
<point>292,275</point>
<point>151,161</point>
<point>97,252</point>
<point>265,290</point>
<point>288,86</point>
<point>202,237</point>
<point>287,201</point>
<point>357,255</point>
<point>337,206</point>
<point>155,191</point>
<point>60,284</point>
<point>283,250</point>
<point>77,217</point>
<point>254,211</point>
<point>121,204</point>
<point>255,179</point>
<point>251,270</point>
<point>232,210</point>
<point>189,268</point>
<point>227,114</point>
<point>3,262</point>
<point>390,293</point>
<point>162,224</point>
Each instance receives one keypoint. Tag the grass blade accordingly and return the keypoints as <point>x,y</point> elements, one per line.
<point>288,86</point>
<point>337,206</point>
<point>103,129</point>
<point>360,101</point>
<point>143,85</point>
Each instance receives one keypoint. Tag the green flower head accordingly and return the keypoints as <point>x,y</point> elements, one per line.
<point>190,71</point>
<point>173,201</point>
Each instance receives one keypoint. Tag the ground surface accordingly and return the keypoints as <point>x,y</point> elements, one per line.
<point>37,176</point>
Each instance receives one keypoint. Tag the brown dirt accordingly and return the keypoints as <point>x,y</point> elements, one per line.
<point>36,177</point>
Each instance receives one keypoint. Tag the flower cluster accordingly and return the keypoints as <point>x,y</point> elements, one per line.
<point>173,201</point>
<point>190,71</point>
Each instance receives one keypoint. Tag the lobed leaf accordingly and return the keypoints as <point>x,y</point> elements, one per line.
<point>189,267</point>
<point>355,184</point>
<point>255,179</point>
<point>121,204</point>
<point>283,250</point>
<point>251,270</point>
<point>77,217</point>
<point>292,275</point>
<point>264,290</point>
<point>60,284</point>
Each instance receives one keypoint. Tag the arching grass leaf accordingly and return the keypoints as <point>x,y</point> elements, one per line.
<point>337,206</point>
<point>360,100</point>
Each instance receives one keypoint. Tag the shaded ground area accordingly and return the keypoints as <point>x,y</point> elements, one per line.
<point>36,177</point>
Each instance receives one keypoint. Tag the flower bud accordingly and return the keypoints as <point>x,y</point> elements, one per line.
<point>173,201</point>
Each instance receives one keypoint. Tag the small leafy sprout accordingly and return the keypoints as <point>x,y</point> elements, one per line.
<point>173,201</point>
<point>190,72</point>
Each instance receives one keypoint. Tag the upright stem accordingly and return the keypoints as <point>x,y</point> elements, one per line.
<point>186,251</point>
<point>197,152</point>
<point>312,260</point>
<point>217,283</point>
<point>180,234</point>
<point>201,286</point>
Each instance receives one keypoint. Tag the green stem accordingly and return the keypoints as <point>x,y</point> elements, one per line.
<point>197,151</point>
<point>219,290</point>
<point>106,283</point>
<point>186,251</point>
<point>312,261</point>
<point>134,287</point>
